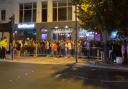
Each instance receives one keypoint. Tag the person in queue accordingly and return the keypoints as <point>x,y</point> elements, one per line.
<point>3,46</point>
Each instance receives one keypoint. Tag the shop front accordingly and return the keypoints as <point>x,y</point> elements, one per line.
<point>44,35</point>
<point>64,30</point>
<point>55,30</point>
<point>89,35</point>
<point>62,33</point>
<point>25,31</point>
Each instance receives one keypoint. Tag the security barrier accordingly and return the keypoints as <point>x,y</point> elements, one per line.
<point>92,53</point>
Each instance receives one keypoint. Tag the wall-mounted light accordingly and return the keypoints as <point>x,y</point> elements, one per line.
<point>56,27</point>
<point>66,27</point>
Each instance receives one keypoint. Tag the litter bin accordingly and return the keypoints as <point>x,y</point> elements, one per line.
<point>119,60</point>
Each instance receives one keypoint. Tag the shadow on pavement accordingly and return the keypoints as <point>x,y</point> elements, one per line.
<point>95,77</point>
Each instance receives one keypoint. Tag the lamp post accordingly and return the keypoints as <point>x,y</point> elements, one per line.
<point>76,35</point>
<point>12,18</point>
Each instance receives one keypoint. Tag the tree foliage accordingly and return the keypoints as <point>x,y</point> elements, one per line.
<point>103,14</point>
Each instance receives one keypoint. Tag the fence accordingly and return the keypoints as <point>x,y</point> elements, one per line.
<point>92,53</point>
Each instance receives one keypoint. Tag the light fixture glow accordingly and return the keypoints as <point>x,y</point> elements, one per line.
<point>26,26</point>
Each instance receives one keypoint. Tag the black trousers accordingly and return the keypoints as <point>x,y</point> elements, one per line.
<point>2,53</point>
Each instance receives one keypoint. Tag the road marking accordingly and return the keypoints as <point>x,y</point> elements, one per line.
<point>58,75</point>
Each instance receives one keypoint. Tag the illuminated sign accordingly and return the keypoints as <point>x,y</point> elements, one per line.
<point>44,30</point>
<point>26,26</point>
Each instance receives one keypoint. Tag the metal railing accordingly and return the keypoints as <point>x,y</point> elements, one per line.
<point>92,53</point>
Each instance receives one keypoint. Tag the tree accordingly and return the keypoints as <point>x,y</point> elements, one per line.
<point>103,15</point>
<point>90,15</point>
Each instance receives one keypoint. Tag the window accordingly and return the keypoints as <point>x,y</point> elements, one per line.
<point>3,15</point>
<point>62,15</point>
<point>44,11</point>
<point>54,14</point>
<point>27,12</point>
<point>69,13</point>
<point>62,10</point>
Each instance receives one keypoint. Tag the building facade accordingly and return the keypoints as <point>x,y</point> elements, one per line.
<point>41,19</point>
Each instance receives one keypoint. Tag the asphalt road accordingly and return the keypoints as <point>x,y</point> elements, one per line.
<point>40,76</point>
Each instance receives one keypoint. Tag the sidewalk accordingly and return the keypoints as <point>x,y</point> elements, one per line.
<point>47,60</point>
<point>65,61</point>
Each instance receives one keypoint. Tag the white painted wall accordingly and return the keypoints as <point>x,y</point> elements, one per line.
<point>39,12</point>
<point>12,7</point>
<point>50,11</point>
<point>9,6</point>
<point>73,13</point>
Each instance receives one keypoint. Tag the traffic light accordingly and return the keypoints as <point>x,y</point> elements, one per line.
<point>12,17</point>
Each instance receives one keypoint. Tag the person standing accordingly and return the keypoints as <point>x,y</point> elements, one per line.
<point>18,49</point>
<point>118,53</point>
<point>114,51</point>
<point>62,48</point>
<point>69,45</point>
<point>127,51</point>
<point>0,49</point>
<point>88,49</point>
<point>3,44</point>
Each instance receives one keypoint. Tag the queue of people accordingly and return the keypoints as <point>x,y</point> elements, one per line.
<point>62,48</point>
<point>49,48</point>
<point>118,49</point>
<point>66,48</point>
